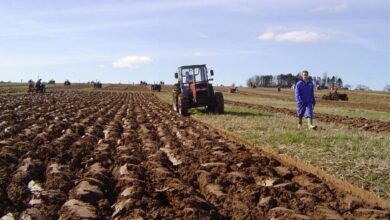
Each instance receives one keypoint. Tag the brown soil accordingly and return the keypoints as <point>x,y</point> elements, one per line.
<point>103,155</point>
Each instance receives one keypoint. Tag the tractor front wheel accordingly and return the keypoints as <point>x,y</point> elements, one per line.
<point>182,105</point>
<point>219,103</point>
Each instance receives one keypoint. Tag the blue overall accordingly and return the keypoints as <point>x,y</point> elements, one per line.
<point>304,96</point>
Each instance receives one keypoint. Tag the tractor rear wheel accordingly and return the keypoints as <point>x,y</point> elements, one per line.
<point>182,105</point>
<point>343,97</point>
<point>211,104</point>
<point>334,96</point>
<point>211,107</point>
<point>219,103</point>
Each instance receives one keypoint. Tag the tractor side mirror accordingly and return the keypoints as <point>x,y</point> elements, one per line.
<point>212,72</point>
<point>176,75</point>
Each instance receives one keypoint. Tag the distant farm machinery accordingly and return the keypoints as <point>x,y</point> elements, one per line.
<point>37,87</point>
<point>97,85</point>
<point>335,95</point>
<point>233,89</point>
<point>155,87</point>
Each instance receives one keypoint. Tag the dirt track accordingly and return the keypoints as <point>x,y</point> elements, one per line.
<point>127,155</point>
<point>361,123</point>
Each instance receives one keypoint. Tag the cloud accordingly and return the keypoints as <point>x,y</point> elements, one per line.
<point>294,36</point>
<point>131,62</point>
<point>331,8</point>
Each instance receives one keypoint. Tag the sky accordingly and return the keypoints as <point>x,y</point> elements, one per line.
<point>128,41</point>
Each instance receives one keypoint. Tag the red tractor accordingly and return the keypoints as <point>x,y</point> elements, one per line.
<point>194,90</point>
<point>335,95</point>
<point>233,89</point>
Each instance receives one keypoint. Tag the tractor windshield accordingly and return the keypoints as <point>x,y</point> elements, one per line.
<point>194,74</point>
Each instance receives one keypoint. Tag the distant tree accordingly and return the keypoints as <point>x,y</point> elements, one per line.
<point>324,83</point>
<point>266,81</point>
<point>332,81</point>
<point>387,88</point>
<point>362,87</point>
<point>52,81</point>
<point>250,82</point>
<point>287,80</point>
<point>328,82</point>
<point>347,86</point>
<point>290,80</point>
<point>279,79</point>
<point>257,80</point>
<point>339,83</point>
<point>316,80</point>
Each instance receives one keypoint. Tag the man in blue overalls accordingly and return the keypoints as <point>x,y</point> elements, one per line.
<point>304,96</point>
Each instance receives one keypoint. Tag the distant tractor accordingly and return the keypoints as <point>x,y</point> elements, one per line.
<point>97,85</point>
<point>155,87</point>
<point>194,90</point>
<point>335,95</point>
<point>67,83</point>
<point>233,89</point>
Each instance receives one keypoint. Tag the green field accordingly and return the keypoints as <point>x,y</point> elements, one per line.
<point>320,107</point>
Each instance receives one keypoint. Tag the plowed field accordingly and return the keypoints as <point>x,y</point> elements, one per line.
<point>106,155</point>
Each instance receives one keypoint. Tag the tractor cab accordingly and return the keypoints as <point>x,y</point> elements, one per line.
<point>195,83</point>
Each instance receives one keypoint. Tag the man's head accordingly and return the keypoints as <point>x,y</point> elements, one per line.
<point>305,75</point>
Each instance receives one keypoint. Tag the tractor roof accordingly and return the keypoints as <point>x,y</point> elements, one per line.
<point>193,66</point>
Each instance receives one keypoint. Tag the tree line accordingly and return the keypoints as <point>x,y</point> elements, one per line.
<point>288,80</point>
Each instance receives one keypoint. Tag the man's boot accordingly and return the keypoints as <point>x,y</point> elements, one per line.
<point>310,123</point>
<point>299,123</point>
